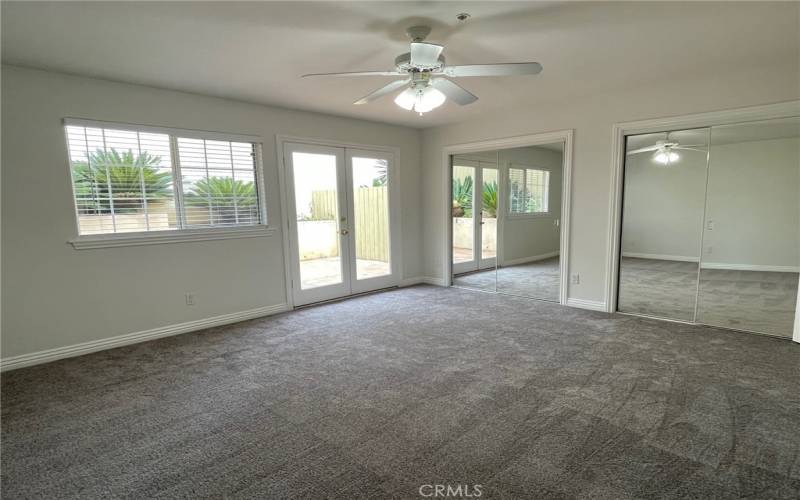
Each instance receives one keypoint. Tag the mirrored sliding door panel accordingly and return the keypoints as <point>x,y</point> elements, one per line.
<point>751,232</point>
<point>662,218</point>
<point>531,214</point>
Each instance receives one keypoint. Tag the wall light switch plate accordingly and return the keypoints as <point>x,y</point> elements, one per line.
<point>189,299</point>
<point>575,279</point>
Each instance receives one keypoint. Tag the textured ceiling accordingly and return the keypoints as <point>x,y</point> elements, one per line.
<point>256,51</point>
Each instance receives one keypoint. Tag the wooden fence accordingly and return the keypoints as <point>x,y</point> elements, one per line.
<point>371,226</point>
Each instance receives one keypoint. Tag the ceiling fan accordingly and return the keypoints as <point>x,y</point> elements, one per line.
<point>423,70</point>
<point>665,150</point>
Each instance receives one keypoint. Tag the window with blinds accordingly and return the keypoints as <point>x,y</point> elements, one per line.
<point>128,181</point>
<point>528,190</point>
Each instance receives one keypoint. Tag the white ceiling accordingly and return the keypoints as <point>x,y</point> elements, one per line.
<point>256,51</point>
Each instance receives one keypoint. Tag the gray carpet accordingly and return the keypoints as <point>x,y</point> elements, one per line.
<point>755,301</point>
<point>375,396</point>
<point>538,280</point>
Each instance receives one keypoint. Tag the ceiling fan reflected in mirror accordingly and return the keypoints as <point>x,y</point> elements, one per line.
<point>666,151</point>
<point>423,70</point>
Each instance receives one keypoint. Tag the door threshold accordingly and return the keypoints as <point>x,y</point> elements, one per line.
<point>346,297</point>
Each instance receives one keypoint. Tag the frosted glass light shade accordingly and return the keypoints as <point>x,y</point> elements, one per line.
<point>666,157</point>
<point>430,98</point>
<point>420,100</point>
<point>406,99</point>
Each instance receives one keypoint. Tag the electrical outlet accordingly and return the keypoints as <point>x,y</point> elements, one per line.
<point>709,250</point>
<point>189,299</point>
<point>575,279</point>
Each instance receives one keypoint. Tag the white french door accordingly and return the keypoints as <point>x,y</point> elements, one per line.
<point>474,217</point>
<point>341,221</point>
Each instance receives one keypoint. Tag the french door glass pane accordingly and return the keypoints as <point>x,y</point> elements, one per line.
<point>489,214</point>
<point>317,208</point>
<point>371,217</point>
<point>463,222</point>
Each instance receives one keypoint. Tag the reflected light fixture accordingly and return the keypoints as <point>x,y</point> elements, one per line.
<point>420,97</point>
<point>666,156</point>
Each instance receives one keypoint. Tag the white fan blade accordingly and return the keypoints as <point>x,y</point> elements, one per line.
<point>386,89</point>
<point>643,150</point>
<point>357,73</point>
<point>687,148</point>
<point>505,69</point>
<point>453,92</point>
<point>690,146</point>
<point>425,55</point>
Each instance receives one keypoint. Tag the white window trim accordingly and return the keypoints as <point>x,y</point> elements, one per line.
<point>112,240</point>
<point>526,215</point>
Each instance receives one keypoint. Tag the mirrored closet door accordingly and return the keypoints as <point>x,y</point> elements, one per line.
<point>750,258</point>
<point>662,220</point>
<point>711,226</point>
<point>505,220</point>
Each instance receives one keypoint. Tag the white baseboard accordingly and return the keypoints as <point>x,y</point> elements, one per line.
<point>430,280</point>
<point>749,267</point>
<point>48,355</point>
<point>654,256</point>
<point>714,265</point>
<point>592,305</point>
<point>419,280</point>
<point>534,258</point>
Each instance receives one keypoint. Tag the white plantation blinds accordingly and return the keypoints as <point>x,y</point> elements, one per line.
<point>528,190</point>
<point>128,181</point>
<point>218,179</point>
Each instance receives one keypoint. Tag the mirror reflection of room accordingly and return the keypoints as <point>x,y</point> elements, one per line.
<point>531,216</point>
<point>662,217</point>
<point>474,220</point>
<point>711,226</point>
<point>750,260</point>
<point>511,243</point>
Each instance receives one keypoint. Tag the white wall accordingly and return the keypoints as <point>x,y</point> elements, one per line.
<point>56,296</point>
<point>592,118</point>
<point>525,237</point>
<point>754,203</point>
<point>662,213</point>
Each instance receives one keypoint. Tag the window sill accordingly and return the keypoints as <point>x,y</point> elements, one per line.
<point>91,242</point>
<point>540,215</point>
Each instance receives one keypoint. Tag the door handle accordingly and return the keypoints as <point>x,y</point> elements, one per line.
<point>344,232</point>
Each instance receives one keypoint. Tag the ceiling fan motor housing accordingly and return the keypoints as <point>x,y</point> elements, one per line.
<point>403,64</point>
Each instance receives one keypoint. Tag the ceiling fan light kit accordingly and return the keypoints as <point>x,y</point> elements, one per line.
<point>665,153</point>
<point>420,64</point>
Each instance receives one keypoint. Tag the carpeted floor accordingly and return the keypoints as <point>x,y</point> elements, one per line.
<point>538,280</point>
<point>376,396</point>
<point>755,301</point>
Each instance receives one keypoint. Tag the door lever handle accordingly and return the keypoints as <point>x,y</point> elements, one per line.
<point>344,232</point>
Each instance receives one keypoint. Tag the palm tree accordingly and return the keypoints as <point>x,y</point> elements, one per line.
<point>122,179</point>
<point>462,197</point>
<point>228,200</point>
<point>490,199</point>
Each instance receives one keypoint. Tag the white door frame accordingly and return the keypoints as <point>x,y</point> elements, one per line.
<point>698,120</point>
<point>565,136</point>
<point>395,207</point>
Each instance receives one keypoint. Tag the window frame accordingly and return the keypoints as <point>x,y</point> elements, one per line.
<point>178,235</point>
<point>525,168</point>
